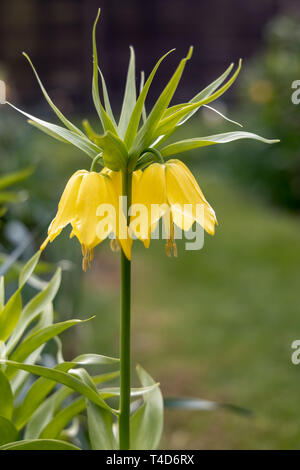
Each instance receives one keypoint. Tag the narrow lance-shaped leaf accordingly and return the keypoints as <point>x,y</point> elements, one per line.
<point>58,113</point>
<point>144,115</point>
<point>201,95</point>
<point>139,106</point>
<point>208,90</point>
<point>82,143</point>
<point>55,426</point>
<point>222,115</point>
<point>146,423</point>
<point>10,315</point>
<point>129,99</point>
<point>34,307</point>
<point>6,397</point>
<point>39,444</point>
<point>167,125</point>
<point>39,338</point>
<point>18,378</point>
<point>145,135</point>
<point>8,431</point>
<point>63,378</point>
<point>106,99</point>
<point>104,117</point>
<point>43,386</point>
<point>2,293</point>
<point>190,144</point>
<point>100,421</point>
<point>28,269</point>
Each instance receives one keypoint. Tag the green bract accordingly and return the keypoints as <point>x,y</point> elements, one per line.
<point>123,143</point>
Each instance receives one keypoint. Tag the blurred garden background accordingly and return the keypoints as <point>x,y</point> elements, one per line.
<point>216,323</point>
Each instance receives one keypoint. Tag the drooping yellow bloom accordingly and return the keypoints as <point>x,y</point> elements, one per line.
<point>79,206</point>
<point>170,191</point>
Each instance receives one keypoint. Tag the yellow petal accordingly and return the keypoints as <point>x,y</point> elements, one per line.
<point>93,191</point>
<point>119,225</point>
<point>66,212</point>
<point>150,192</point>
<point>184,195</point>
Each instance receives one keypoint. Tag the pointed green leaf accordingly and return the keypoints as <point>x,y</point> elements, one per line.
<point>104,117</point>
<point>34,307</point>
<point>62,418</point>
<point>190,144</point>
<point>6,397</point>
<point>146,424</point>
<point>10,315</point>
<point>129,99</point>
<point>100,421</point>
<point>35,396</point>
<point>144,115</point>
<point>145,135</point>
<point>95,359</point>
<point>134,392</point>
<point>2,293</point>
<point>63,378</point>
<point>18,378</point>
<point>167,125</point>
<point>81,142</point>
<point>58,113</point>
<point>222,115</point>
<point>37,339</point>
<point>106,99</point>
<point>54,427</point>
<point>139,106</point>
<point>8,432</point>
<point>40,419</point>
<point>39,444</point>
<point>28,269</point>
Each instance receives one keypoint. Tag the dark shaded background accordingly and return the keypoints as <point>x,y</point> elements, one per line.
<point>57,36</point>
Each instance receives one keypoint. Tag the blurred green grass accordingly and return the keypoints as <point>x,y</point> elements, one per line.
<point>216,323</point>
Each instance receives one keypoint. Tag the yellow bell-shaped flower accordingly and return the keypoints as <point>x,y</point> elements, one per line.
<point>170,191</point>
<point>85,193</point>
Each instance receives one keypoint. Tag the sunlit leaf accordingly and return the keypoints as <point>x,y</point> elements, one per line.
<point>39,444</point>
<point>28,269</point>
<point>145,135</point>
<point>6,397</point>
<point>104,117</point>
<point>100,421</point>
<point>79,141</point>
<point>146,424</point>
<point>190,144</point>
<point>139,106</point>
<point>8,431</point>
<point>34,307</point>
<point>10,315</point>
<point>58,113</point>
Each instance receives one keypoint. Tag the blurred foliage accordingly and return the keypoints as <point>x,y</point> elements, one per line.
<point>264,103</point>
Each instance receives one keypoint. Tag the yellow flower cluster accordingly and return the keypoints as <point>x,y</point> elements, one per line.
<point>170,188</point>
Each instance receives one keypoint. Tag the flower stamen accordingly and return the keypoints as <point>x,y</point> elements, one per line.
<point>115,245</point>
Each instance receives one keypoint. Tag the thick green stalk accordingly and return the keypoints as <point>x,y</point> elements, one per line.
<point>124,418</point>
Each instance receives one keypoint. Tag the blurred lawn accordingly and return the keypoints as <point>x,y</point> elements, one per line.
<point>216,323</point>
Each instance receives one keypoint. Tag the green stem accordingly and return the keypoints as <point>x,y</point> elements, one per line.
<point>124,418</point>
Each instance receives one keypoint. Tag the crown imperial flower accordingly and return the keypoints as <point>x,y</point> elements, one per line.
<point>78,206</point>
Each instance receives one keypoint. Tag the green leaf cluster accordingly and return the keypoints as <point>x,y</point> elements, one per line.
<point>123,143</point>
